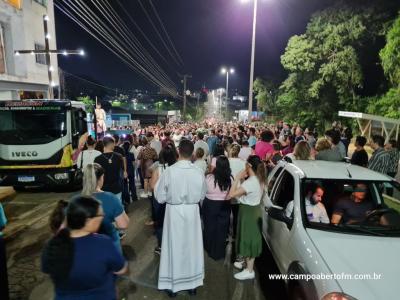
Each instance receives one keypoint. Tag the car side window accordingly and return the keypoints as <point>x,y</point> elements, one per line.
<point>272,181</point>
<point>285,191</point>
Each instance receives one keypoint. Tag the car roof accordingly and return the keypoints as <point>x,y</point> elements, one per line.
<point>337,170</point>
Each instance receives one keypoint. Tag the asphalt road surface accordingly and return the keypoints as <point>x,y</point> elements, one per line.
<point>28,230</point>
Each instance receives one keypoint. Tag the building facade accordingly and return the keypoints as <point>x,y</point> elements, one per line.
<point>25,76</point>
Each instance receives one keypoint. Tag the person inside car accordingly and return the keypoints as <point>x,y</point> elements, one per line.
<point>315,210</point>
<point>354,208</point>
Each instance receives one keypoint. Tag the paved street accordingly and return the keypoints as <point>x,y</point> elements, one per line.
<point>28,230</point>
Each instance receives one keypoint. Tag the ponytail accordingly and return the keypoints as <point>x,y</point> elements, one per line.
<point>57,216</point>
<point>58,256</point>
<point>258,168</point>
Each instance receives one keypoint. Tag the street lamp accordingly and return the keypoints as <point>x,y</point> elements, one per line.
<point>227,72</point>
<point>253,46</point>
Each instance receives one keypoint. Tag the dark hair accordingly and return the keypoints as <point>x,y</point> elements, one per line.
<point>57,216</point>
<point>258,167</point>
<point>361,141</point>
<point>277,146</point>
<point>222,173</point>
<point>245,143</point>
<point>107,140</point>
<point>334,135</point>
<point>235,149</point>
<point>167,134</point>
<point>394,143</point>
<point>186,148</point>
<point>58,255</point>
<point>168,155</point>
<point>219,150</point>
<point>378,139</point>
<point>99,146</point>
<point>116,138</point>
<point>149,134</point>
<point>126,146</point>
<point>90,141</point>
<point>200,135</point>
<point>252,130</point>
<point>312,187</point>
<point>199,152</point>
<point>267,136</point>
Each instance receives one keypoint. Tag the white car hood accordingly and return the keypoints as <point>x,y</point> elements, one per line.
<point>361,254</point>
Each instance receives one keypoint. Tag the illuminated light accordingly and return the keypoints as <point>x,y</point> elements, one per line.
<point>51,69</point>
<point>17,53</point>
<point>48,36</point>
<point>32,52</point>
<point>82,52</point>
<point>53,83</point>
<point>165,100</point>
<point>46,18</point>
<point>223,71</point>
<point>232,70</point>
<point>65,53</point>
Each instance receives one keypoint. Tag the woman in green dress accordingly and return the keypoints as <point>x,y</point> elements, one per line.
<point>248,188</point>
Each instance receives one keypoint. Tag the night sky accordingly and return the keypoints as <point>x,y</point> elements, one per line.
<point>207,34</point>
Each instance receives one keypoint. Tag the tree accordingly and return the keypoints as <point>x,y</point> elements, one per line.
<point>325,72</point>
<point>390,54</point>
<point>266,95</point>
<point>89,103</point>
<point>387,105</point>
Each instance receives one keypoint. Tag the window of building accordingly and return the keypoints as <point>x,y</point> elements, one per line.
<point>3,66</point>
<point>41,2</point>
<point>40,58</point>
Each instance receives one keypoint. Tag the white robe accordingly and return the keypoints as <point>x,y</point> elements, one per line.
<point>181,186</point>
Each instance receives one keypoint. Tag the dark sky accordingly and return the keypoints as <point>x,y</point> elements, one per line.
<point>207,34</point>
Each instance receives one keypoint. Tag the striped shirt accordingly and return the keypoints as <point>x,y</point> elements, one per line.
<point>394,155</point>
<point>380,161</point>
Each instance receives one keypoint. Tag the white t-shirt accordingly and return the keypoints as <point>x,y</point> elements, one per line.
<point>315,212</point>
<point>237,165</point>
<point>201,163</point>
<point>156,145</point>
<point>88,158</point>
<point>202,144</point>
<point>253,192</point>
<point>244,153</point>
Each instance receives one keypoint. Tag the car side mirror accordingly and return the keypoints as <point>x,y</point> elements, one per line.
<point>279,215</point>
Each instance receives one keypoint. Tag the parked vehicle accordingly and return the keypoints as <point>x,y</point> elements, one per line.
<point>334,256</point>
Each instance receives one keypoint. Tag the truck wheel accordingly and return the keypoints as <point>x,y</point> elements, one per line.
<point>19,188</point>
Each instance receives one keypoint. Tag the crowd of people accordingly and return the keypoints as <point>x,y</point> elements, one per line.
<point>204,183</point>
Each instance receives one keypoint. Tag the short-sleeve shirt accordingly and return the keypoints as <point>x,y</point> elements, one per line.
<point>263,148</point>
<point>360,158</point>
<point>315,212</point>
<point>92,273</point>
<point>112,171</point>
<point>213,190</point>
<point>112,208</point>
<point>253,192</point>
<point>352,211</point>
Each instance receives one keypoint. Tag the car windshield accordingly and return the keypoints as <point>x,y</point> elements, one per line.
<point>364,207</point>
<point>27,127</point>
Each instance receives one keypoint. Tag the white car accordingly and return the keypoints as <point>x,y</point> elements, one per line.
<point>354,259</point>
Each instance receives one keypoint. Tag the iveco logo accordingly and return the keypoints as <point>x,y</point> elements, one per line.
<point>24,154</point>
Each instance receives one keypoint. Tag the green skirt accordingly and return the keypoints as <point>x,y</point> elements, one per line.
<point>249,238</point>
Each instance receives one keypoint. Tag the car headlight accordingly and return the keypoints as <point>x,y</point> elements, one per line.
<point>337,296</point>
<point>61,176</point>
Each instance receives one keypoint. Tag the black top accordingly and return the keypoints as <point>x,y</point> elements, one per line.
<point>360,158</point>
<point>119,150</point>
<point>352,211</point>
<point>113,166</point>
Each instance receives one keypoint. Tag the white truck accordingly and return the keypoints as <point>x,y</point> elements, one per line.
<point>37,142</point>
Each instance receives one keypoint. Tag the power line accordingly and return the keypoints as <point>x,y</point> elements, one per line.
<point>91,82</point>
<point>166,32</point>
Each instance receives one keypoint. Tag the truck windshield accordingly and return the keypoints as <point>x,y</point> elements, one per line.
<point>27,127</point>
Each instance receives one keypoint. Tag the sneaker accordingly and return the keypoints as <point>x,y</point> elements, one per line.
<point>244,275</point>
<point>157,250</point>
<point>149,194</point>
<point>239,264</point>
<point>149,223</point>
<point>143,195</point>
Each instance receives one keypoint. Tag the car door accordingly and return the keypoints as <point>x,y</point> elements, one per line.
<point>278,232</point>
<point>272,183</point>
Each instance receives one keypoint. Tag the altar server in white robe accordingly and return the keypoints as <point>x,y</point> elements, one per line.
<point>181,187</point>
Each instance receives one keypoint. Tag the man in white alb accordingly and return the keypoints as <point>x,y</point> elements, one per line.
<point>181,187</point>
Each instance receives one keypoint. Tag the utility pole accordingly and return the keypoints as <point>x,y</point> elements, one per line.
<point>185,77</point>
<point>47,53</point>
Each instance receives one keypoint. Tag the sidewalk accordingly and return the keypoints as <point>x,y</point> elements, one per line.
<point>6,191</point>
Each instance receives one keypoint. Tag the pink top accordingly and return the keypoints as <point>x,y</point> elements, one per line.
<point>213,191</point>
<point>263,148</point>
